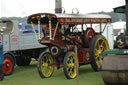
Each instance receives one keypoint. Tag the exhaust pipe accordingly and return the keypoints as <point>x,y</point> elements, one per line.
<point>126,12</point>
<point>58,6</point>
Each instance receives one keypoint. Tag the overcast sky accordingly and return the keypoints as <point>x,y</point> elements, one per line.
<point>26,7</point>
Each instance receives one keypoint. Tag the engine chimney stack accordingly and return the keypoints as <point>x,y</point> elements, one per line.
<point>58,6</point>
<point>126,10</point>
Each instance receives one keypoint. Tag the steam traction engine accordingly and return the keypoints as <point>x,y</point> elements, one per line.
<point>63,33</point>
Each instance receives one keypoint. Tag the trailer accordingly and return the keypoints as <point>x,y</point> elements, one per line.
<point>20,46</point>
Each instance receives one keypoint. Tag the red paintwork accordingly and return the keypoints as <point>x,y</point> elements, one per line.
<point>83,20</point>
<point>84,55</point>
<point>8,65</point>
<point>46,41</point>
<point>14,39</point>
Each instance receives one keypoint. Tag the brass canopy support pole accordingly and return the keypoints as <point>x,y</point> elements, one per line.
<point>34,31</point>
<point>50,29</point>
<point>39,37</point>
<point>55,30</point>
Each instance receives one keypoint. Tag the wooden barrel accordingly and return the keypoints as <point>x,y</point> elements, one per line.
<point>115,70</point>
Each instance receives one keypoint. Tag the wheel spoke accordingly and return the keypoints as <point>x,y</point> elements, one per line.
<point>43,69</point>
<point>42,65</point>
<point>75,63</point>
<point>101,59</point>
<point>96,58</point>
<point>98,63</point>
<point>102,42</point>
<point>42,61</point>
<point>68,68</point>
<point>68,65</point>
<point>70,71</point>
<point>96,53</point>
<point>49,69</point>
<point>47,59</point>
<point>98,45</point>
<point>102,45</point>
<point>102,49</point>
<point>71,59</point>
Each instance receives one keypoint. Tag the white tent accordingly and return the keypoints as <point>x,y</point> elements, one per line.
<point>118,27</point>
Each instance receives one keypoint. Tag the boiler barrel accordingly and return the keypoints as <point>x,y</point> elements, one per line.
<point>115,70</point>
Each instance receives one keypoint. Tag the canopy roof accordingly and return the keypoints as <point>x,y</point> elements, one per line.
<point>69,18</point>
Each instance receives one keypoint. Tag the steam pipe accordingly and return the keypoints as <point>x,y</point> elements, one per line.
<point>58,6</point>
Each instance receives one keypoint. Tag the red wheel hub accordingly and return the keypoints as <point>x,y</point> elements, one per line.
<point>90,34</point>
<point>8,64</point>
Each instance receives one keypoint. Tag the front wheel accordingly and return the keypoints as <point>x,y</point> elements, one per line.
<point>70,65</point>
<point>45,65</point>
<point>98,45</point>
<point>9,63</point>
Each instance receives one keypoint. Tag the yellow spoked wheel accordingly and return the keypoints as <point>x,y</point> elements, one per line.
<point>70,68</point>
<point>98,45</point>
<point>45,65</point>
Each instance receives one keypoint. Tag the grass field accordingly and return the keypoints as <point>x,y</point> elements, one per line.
<point>28,75</point>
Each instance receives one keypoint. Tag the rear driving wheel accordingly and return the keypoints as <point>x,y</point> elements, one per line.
<point>45,65</point>
<point>98,45</point>
<point>70,68</point>
<point>87,37</point>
